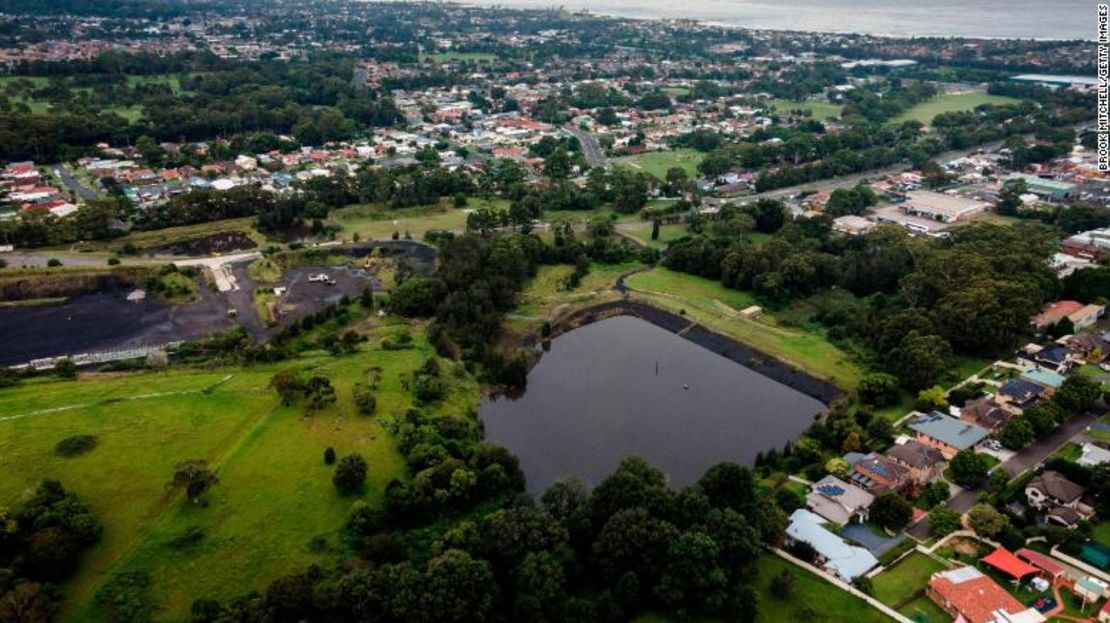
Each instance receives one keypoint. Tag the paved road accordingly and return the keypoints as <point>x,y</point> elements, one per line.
<point>1026,459</point>
<point>71,182</point>
<point>595,156</point>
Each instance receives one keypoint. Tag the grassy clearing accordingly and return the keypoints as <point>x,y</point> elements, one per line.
<point>50,300</point>
<point>821,110</point>
<point>903,579</point>
<point>657,162</point>
<point>715,306</point>
<point>171,235</point>
<point>544,295</point>
<point>275,509</point>
<point>814,599</point>
<point>926,111</point>
<point>265,270</point>
<point>378,222</point>
<point>667,234</point>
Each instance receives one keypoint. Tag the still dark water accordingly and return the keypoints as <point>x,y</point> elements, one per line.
<point>596,398</point>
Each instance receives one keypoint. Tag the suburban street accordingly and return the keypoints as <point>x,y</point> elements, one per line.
<point>1028,458</point>
<point>84,192</point>
<point>595,156</point>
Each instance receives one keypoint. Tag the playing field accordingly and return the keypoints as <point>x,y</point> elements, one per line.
<point>658,162</point>
<point>376,222</point>
<point>926,111</point>
<point>821,110</point>
<point>275,509</point>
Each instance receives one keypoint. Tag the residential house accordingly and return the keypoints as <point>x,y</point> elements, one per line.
<point>852,225</point>
<point>947,434</point>
<point>1061,498</point>
<point>839,502</point>
<point>1104,613</point>
<point>1055,358</point>
<point>988,412</point>
<point>1093,456</point>
<point>1080,315</point>
<point>1022,393</point>
<point>845,561</point>
<point>925,463</point>
<point>968,595</point>
<point>878,474</point>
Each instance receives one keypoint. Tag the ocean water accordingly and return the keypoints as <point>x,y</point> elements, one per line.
<point>1026,19</point>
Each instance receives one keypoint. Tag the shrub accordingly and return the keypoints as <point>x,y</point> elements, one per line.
<point>350,474</point>
<point>75,445</point>
<point>329,456</point>
<point>364,399</point>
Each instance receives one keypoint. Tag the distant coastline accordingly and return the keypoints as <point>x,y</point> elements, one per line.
<point>1068,31</point>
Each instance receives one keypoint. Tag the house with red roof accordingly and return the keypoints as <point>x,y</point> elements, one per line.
<point>968,595</point>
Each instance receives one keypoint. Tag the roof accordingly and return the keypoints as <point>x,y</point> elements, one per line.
<point>975,596</point>
<point>836,500</point>
<point>1044,377</point>
<point>1009,564</point>
<point>1040,561</point>
<point>916,455</point>
<point>950,431</point>
<point>847,561</point>
<point>1054,312</point>
<point>1057,486</point>
<point>1091,585</point>
<point>1093,455</point>
<point>1021,389</point>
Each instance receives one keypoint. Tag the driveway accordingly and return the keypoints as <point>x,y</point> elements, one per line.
<point>876,544</point>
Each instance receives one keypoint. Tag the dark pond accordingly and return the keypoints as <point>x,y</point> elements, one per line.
<point>624,386</point>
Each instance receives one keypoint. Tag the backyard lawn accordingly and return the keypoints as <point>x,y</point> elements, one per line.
<point>909,575</point>
<point>925,111</point>
<point>717,307</point>
<point>274,510</point>
<point>814,599</point>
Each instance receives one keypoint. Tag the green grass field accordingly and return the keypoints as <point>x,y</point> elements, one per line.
<point>911,574</point>
<point>657,162</point>
<point>814,599</point>
<point>715,306</point>
<point>275,509</point>
<point>667,233</point>
<point>821,110</point>
<point>925,111</point>
<point>375,222</point>
<point>544,295</point>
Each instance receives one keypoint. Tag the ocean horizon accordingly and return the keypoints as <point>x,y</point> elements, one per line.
<point>994,19</point>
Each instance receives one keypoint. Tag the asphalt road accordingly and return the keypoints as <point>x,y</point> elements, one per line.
<point>1027,458</point>
<point>71,182</point>
<point>595,156</point>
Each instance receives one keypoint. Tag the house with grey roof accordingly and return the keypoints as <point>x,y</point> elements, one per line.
<point>848,562</point>
<point>947,434</point>
<point>839,502</point>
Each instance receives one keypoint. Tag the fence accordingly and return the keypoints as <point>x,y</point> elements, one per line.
<point>105,356</point>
